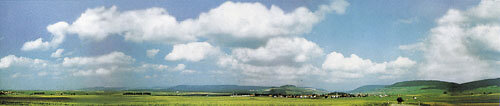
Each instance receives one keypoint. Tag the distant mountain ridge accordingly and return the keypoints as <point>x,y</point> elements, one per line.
<point>214,88</point>
<point>285,89</point>
<point>104,88</point>
<point>367,88</point>
<point>429,85</point>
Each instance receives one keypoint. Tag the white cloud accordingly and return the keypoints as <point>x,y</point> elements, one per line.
<point>151,53</point>
<point>57,30</point>
<point>487,35</point>
<point>157,67</point>
<point>280,61</point>
<point>271,75</point>
<point>93,72</point>
<point>180,67</point>
<point>195,51</point>
<point>413,47</point>
<point>103,65</point>
<point>231,20</point>
<point>458,48</point>
<point>355,67</point>
<point>188,71</point>
<point>36,44</point>
<point>278,51</point>
<point>337,61</point>
<point>12,60</point>
<point>273,32</point>
<point>57,53</point>
<point>113,58</point>
<point>339,6</point>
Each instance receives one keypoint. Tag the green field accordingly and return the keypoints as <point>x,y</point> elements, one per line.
<point>116,98</point>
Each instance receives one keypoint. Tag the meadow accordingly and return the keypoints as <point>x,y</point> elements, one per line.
<point>116,98</point>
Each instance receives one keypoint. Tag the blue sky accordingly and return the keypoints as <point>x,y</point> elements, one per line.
<point>336,45</point>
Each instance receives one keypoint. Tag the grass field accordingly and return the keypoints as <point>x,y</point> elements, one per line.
<point>118,99</point>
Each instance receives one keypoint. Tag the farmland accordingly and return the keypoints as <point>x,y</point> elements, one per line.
<point>480,93</point>
<point>116,98</point>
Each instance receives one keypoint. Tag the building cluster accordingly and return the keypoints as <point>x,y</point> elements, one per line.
<point>309,96</point>
<point>137,93</point>
<point>6,92</point>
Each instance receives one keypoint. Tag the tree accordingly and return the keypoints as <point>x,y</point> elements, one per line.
<point>400,100</point>
<point>278,91</point>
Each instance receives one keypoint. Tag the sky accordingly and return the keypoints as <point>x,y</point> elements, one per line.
<point>336,45</point>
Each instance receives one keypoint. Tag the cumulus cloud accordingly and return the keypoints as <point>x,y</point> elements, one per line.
<point>278,51</point>
<point>277,55</point>
<point>458,48</point>
<point>188,71</point>
<point>268,75</point>
<point>230,20</point>
<point>113,58</point>
<point>355,67</point>
<point>180,67</point>
<point>280,61</point>
<point>94,72</point>
<point>57,30</point>
<point>339,6</point>
<point>194,51</point>
<point>151,53</point>
<point>157,67</point>
<point>102,65</point>
<point>77,66</point>
<point>12,60</point>
<point>57,53</point>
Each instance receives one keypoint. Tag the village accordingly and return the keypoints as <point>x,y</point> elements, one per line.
<point>310,96</point>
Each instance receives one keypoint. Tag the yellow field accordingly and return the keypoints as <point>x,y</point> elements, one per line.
<point>227,100</point>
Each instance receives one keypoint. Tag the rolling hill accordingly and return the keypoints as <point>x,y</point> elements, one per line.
<point>367,88</point>
<point>293,90</point>
<point>478,84</point>
<point>432,87</point>
<point>285,89</point>
<point>214,88</point>
<point>236,89</point>
<point>104,89</point>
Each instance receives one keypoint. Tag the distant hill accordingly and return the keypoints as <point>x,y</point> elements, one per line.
<point>432,86</point>
<point>478,84</point>
<point>367,88</point>
<point>293,90</point>
<point>214,88</point>
<point>104,88</point>
<point>285,89</point>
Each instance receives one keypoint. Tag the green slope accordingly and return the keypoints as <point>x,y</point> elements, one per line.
<point>367,88</point>
<point>414,87</point>
<point>478,84</point>
<point>430,84</point>
<point>433,87</point>
<point>293,90</point>
<point>215,88</point>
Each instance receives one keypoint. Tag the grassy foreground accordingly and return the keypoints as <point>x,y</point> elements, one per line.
<point>479,100</point>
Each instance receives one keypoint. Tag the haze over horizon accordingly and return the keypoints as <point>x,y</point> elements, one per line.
<point>336,45</point>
